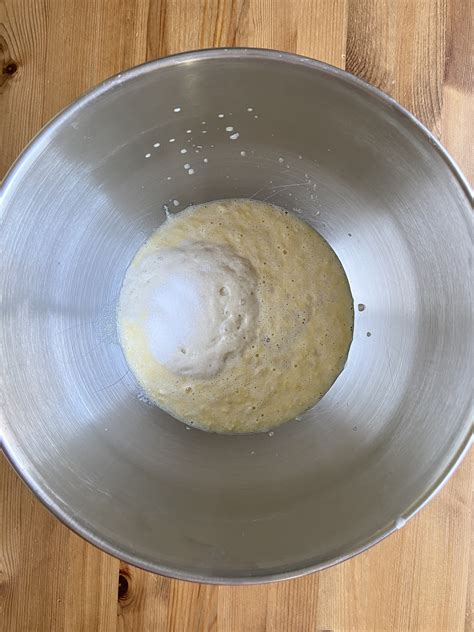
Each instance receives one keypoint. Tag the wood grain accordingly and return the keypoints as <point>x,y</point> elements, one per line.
<point>418,51</point>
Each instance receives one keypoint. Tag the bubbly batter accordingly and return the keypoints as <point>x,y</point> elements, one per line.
<point>235,316</point>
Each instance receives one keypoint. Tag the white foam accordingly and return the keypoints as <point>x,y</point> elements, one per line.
<point>200,306</point>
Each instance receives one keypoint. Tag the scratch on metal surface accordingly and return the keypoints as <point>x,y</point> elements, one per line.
<point>114,383</point>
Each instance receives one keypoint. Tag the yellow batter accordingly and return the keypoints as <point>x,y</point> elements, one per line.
<point>235,316</point>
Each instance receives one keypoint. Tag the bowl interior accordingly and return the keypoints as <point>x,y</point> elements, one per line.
<point>91,189</point>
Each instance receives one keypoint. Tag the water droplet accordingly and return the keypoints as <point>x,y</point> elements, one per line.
<point>147,155</point>
<point>191,172</point>
<point>187,166</point>
<point>171,140</point>
<point>177,110</point>
<point>249,109</point>
<point>400,522</point>
<point>156,144</point>
<point>243,153</point>
<point>234,136</point>
<point>361,307</point>
<point>220,115</point>
<point>229,129</point>
<point>271,433</point>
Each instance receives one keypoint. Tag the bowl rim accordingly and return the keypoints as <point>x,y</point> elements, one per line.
<point>35,146</point>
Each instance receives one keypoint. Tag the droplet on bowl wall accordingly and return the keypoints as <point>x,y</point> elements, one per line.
<point>190,172</point>
<point>184,151</point>
<point>220,115</point>
<point>188,131</point>
<point>177,110</point>
<point>400,522</point>
<point>147,155</point>
<point>361,307</point>
<point>176,202</point>
<point>368,334</point>
<point>249,109</point>
<point>243,153</point>
<point>234,136</point>
<point>229,129</point>
<point>171,140</point>
<point>156,144</point>
<point>205,160</point>
<point>187,166</point>
<point>280,160</point>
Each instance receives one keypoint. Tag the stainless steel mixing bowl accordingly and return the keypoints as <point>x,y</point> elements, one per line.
<point>93,186</point>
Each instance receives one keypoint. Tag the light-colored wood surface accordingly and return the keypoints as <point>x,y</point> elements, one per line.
<point>416,50</point>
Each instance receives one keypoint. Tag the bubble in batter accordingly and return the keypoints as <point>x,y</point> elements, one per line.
<point>235,316</point>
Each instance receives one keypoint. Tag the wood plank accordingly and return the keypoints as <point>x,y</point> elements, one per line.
<point>50,579</point>
<point>457,113</point>
<point>418,51</point>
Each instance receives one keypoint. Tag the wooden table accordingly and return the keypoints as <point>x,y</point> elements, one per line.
<point>417,51</point>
